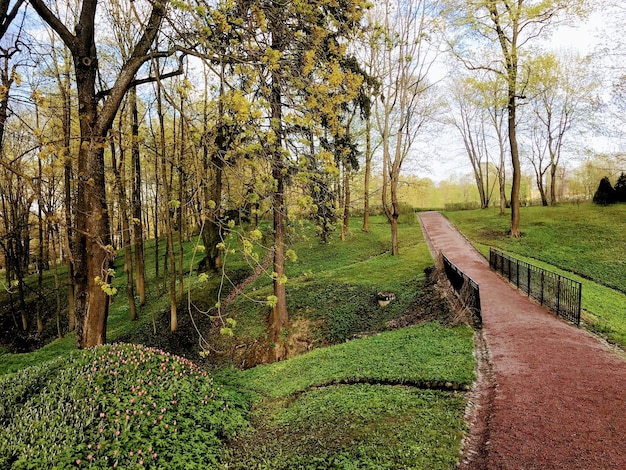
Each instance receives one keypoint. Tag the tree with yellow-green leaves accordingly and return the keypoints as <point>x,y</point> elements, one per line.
<point>282,86</point>
<point>297,49</point>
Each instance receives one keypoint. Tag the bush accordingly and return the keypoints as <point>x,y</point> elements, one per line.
<point>605,194</point>
<point>120,405</point>
<point>462,206</point>
<point>620,188</point>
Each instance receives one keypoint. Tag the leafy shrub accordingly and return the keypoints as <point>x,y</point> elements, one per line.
<point>605,194</point>
<point>120,405</point>
<point>407,214</point>
<point>462,206</point>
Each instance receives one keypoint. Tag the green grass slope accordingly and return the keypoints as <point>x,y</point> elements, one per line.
<point>335,407</point>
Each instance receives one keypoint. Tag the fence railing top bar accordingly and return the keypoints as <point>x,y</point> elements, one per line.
<point>509,257</point>
<point>456,268</point>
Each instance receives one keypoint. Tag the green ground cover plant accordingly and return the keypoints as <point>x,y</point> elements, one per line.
<point>426,354</point>
<point>578,241</point>
<point>335,408</point>
<point>116,406</point>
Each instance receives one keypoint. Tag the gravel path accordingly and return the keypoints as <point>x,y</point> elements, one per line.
<point>550,395</point>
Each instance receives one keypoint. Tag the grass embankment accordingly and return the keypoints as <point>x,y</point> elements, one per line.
<point>584,242</point>
<point>334,407</point>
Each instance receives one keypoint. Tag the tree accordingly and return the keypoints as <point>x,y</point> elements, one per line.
<point>295,48</point>
<point>469,116</point>
<point>512,25</point>
<point>620,188</point>
<point>97,110</point>
<point>483,98</point>
<point>538,159</point>
<point>402,59</point>
<point>8,11</point>
<point>605,194</point>
<point>560,92</point>
<point>61,70</point>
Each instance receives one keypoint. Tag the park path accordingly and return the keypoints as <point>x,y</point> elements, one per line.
<point>554,396</point>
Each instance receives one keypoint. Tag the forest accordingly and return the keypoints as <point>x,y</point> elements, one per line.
<point>123,122</point>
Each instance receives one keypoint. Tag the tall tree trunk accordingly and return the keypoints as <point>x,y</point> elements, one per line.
<point>395,212</point>
<point>517,172</point>
<point>368,174</point>
<point>346,201</point>
<point>57,286</point>
<point>182,205</point>
<point>68,233</point>
<point>120,183</point>
<point>213,195</point>
<point>40,254</point>
<point>502,189</point>
<point>157,254</point>
<point>279,317</point>
<point>168,219</point>
<point>553,198</point>
<point>93,249</point>
<point>137,232</point>
<point>217,142</point>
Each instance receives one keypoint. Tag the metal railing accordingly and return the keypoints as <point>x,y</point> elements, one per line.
<point>465,287</point>
<point>559,293</point>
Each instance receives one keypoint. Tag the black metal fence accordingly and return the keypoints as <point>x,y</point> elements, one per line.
<point>465,287</point>
<point>559,293</point>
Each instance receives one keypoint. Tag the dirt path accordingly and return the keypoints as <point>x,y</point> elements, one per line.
<point>557,395</point>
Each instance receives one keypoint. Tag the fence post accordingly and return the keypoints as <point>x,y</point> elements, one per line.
<point>517,275</point>
<point>580,298</point>
<point>558,295</point>
<point>542,279</point>
<point>509,260</point>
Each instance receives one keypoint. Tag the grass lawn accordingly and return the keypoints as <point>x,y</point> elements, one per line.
<point>585,243</point>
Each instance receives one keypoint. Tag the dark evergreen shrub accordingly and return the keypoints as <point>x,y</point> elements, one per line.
<point>605,194</point>
<point>620,188</point>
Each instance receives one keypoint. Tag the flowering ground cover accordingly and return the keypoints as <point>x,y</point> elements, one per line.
<point>116,406</point>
